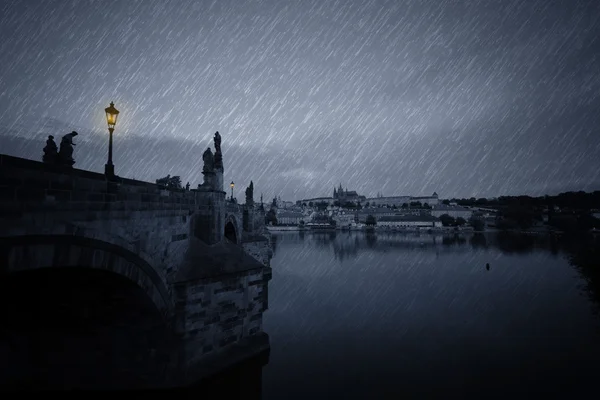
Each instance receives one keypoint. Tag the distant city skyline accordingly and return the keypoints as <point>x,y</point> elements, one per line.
<point>406,97</point>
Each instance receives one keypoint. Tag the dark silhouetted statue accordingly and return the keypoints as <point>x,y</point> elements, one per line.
<point>66,149</point>
<point>209,161</point>
<point>250,194</point>
<point>50,151</point>
<point>187,186</point>
<point>218,154</point>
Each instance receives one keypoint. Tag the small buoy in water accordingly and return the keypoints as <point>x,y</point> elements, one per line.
<point>487,266</point>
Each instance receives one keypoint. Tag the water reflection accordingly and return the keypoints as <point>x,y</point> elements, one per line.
<point>581,251</point>
<point>381,315</point>
<point>242,381</point>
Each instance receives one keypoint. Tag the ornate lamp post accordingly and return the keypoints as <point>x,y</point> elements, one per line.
<point>231,185</point>
<point>111,118</point>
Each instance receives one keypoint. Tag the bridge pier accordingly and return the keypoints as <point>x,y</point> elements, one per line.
<point>219,320</point>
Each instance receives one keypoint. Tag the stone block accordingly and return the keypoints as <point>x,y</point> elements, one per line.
<point>62,185</point>
<point>10,181</point>
<point>36,182</point>
<point>31,194</point>
<point>59,195</point>
<point>95,197</point>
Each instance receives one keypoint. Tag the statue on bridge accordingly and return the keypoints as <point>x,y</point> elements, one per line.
<point>66,149</point>
<point>250,194</point>
<point>208,170</point>
<point>50,151</point>
<point>209,161</point>
<point>218,154</point>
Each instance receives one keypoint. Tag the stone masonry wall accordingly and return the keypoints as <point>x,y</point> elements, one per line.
<point>215,313</point>
<point>209,218</point>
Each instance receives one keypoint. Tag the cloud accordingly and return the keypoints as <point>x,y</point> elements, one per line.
<point>450,162</point>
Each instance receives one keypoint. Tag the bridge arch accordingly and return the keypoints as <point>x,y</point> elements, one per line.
<point>232,229</point>
<point>37,251</point>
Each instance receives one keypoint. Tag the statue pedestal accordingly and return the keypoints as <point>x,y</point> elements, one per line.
<point>109,170</point>
<point>209,180</point>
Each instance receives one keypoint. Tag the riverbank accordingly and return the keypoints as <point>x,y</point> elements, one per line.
<point>375,229</point>
<point>445,230</point>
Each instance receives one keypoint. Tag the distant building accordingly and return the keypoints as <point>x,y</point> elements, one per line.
<point>344,219</point>
<point>399,200</point>
<point>289,218</point>
<point>315,200</point>
<point>319,219</point>
<point>361,215</point>
<point>453,211</point>
<point>285,204</point>
<point>409,221</point>
<point>430,200</point>
<point>390,200</point>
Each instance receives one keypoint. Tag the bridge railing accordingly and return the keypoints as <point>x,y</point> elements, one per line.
<point>32,185</point>
<point>233,207</point>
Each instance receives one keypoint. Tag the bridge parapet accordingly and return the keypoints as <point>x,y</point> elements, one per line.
<point>31,186</point>
<point>233,207</point>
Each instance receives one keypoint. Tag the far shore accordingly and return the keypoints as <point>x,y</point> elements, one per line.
<point>426,231</point>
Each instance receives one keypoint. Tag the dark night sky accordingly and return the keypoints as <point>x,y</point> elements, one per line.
<point>466,98</point>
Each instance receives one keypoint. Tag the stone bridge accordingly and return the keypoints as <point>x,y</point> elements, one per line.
<point>187,250</point>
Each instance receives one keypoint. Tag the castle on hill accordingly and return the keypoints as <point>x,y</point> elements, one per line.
<point>343,196</point>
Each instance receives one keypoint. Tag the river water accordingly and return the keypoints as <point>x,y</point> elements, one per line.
<point>353,315</point>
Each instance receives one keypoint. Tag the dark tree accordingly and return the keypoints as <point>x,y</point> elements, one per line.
<point>477,224</point>
<point>460,221</point>
<point>371,221</point>
<point>322,206</point>
<point>271,217</point>
<point>447,220</point>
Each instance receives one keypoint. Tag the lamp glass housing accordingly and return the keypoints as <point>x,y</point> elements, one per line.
<point>111,115</point>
